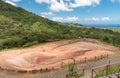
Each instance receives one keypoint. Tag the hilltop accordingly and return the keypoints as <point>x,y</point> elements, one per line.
<point>20,28</point>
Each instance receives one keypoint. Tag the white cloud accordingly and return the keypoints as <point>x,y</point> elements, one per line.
<point>82,3</point>
<point>43,1</point>
<point>68,5</point>
<point>67,19</point>
<point>84,20</point>
<point>16,0</point>
<point>47,13</point>
<point>12,2</point>
<point>105,19</point>
<point>92,19</point>
<point>43,16</point>
<point>59,6</point>
<point>96,19</point>
<point>59,19</point>
<point>74,18</point>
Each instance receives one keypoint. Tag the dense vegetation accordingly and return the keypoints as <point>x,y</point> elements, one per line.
<point>20,28</point>
<point>116,30</point>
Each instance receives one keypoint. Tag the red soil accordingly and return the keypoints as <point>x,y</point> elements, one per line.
<point>52,54</point>
<point>42,58</point>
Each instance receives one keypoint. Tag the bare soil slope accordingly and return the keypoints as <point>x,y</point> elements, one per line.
<point>52,54</point>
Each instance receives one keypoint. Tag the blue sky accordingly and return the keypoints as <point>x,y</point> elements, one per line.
<point>77,11</point>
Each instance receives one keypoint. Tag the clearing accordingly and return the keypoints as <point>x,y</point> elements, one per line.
<point>52,54</point>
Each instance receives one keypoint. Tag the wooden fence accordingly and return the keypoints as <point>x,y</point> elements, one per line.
<point>110,70</point>
<point>83,60</point>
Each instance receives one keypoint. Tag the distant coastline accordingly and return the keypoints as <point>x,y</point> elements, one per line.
<point>108,26</point>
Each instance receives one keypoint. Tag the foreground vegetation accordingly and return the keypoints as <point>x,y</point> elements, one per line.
<point>112,70</point>
<point>19,28</point>
<point>72,72</point>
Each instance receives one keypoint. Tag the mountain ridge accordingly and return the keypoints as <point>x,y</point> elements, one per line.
<point>19,28</point>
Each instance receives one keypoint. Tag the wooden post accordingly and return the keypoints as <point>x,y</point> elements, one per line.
<point>66,75</point>
<point>73,61</point>
<point>85,59</point>
<point>53,68</point>
<point>95,58</point>
<point>83,71</point>
<point>62,65</point>
<point>107,70</point>
<point>92,73</point>
<point>109,61</point>
<point>107,56</point>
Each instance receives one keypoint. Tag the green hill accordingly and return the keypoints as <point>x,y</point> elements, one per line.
<point>19,28</point>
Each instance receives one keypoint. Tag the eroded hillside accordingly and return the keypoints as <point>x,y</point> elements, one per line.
<point>51,55</point>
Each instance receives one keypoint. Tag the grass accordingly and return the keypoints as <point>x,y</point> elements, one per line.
<point>72,72</point>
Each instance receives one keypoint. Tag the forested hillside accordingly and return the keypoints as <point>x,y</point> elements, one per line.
<point>19,28</point>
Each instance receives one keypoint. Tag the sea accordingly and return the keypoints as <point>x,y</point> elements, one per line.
<point>105,26</point>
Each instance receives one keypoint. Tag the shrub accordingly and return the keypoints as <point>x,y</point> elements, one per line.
<point>30,44</point>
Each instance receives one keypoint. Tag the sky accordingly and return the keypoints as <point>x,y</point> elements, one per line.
<point>76,11</point>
